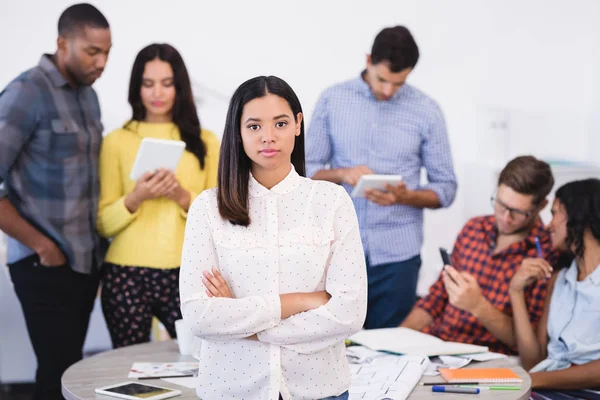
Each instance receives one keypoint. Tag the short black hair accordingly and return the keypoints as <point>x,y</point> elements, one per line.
<point>78,16</point>
<point>396,46</point>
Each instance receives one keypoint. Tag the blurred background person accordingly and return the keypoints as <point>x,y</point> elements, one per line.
<point>146,219</point>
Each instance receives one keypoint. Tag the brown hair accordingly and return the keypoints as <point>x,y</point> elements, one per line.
<point>529,176</point>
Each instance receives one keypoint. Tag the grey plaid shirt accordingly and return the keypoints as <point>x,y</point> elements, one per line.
<point>50,136</point>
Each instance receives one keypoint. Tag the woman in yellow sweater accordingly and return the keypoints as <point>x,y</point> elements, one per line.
<point>146,219</point>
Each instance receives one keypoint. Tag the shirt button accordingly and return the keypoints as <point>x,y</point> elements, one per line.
<point>374,125</point>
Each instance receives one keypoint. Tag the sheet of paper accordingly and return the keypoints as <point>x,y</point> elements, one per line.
<point>188,381</point>
<point>411,342</point>
<point>143,369</point>
<point>487,356</point>
<point>362,355</point>
<point>387,376</point>
<point>453,362</point>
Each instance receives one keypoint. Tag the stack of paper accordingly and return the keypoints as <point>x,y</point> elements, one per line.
<point>386,376</point>
<point>411,342</point>
<point>150,369</point>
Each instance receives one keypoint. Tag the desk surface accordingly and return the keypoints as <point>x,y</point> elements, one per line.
<point>111,367</point>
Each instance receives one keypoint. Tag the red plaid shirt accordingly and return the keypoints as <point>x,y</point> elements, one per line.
<point>473,253</point>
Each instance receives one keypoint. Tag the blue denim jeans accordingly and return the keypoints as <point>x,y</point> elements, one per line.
<point>343,396</point>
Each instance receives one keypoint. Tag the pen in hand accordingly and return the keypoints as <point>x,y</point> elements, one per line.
<point>538,247</point>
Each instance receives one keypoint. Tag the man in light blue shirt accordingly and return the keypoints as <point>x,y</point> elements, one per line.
<point>377,124</point>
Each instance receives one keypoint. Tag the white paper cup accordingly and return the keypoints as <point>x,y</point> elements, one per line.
<point>196,347</point>
<point>185,338</point>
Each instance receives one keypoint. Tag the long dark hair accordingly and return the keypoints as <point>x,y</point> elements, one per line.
<point>185,115</point>
<point>234,163</point>
<point>581,200</point>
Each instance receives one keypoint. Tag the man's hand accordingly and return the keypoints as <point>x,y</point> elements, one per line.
<point>352,175</point>
<point>50,255</point>
<point>463,290</point>
<point>398,194</point>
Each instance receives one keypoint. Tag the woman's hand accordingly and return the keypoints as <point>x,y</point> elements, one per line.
<point>291,303</point>
<point>151,185</point>
<point>215,284</point>
<point>531,269</point>
<point>176,192</point>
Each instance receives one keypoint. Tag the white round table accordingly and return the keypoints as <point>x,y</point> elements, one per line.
<point>111,367</point>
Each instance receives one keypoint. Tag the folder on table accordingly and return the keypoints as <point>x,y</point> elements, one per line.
<point>483,375</point>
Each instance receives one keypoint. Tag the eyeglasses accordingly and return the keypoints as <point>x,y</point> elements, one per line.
<point>500,207</point>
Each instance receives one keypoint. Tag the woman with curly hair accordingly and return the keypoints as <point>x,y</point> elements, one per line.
<point>564,351</point>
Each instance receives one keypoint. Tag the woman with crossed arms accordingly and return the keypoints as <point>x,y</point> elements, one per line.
<point>273,274</point>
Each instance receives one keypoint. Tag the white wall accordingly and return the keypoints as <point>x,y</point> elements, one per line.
<point>535,61</point>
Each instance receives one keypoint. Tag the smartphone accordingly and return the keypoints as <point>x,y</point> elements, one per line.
<point>445,256</point>
<point>446,260</point>
<point>136,391</point>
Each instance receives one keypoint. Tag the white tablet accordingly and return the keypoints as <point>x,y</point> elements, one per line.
<point>154,154</point>
<point>136,391</point>
<point>374,182</point>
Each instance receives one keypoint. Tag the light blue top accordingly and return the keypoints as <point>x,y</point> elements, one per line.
<point>573,321</point>
<point>350,127</point>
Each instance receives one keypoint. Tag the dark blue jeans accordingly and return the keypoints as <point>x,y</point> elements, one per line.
<point>392,292</point>
<point>343,396</point>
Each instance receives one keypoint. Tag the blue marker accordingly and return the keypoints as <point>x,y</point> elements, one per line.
<point>451,389</point>
<point>538,247</point>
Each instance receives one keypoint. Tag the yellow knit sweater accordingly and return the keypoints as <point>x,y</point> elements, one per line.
<point>153,235</point>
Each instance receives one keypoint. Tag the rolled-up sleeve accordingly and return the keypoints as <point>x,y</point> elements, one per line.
<point>344,314</point>
<point>18,121</point>
<point>217,319</point>
<point>318,141</point>
<point>437,159</point>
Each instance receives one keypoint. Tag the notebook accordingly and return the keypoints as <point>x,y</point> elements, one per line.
<point>410,342</point>
<point>484,375</point>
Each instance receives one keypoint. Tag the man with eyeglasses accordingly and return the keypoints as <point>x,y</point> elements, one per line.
<point>469,303</point>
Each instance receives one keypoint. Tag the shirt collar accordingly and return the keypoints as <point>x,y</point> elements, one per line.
<point>289,183</point>
<point>363,86</point>
<point>50,69</point>
<point>595,276</point>
<point>573,271</point>
<point>365,89</point>
<point>491,229</point>
<point>538,231</point>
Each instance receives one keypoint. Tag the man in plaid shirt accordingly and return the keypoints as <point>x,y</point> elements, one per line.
<point>469,302</point>
<point>50,136</point>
